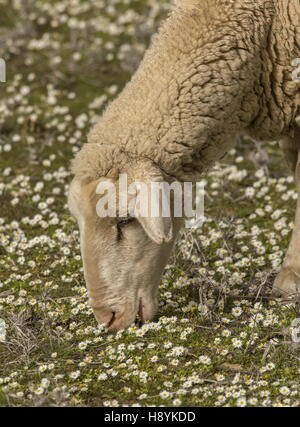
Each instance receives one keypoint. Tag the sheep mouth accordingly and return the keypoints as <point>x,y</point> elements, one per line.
<point>139,321</point>
<point>113,318</point>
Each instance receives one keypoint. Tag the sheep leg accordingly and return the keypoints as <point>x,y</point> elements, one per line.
<point>287,281</point>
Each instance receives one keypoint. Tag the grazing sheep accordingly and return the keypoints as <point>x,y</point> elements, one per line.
<point>216,69</point>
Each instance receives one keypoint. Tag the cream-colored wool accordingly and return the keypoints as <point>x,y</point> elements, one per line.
<point>216,69</point>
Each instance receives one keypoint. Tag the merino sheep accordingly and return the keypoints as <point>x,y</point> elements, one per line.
<point>216,69</point>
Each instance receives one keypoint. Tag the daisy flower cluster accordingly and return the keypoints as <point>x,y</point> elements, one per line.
<point>219,338</point>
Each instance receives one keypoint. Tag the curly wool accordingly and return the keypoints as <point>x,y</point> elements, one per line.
<point>216,68</point>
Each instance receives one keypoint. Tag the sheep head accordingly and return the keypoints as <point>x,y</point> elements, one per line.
<point>123,256</point>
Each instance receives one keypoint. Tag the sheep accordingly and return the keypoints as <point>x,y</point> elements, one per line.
<point>215,70</point>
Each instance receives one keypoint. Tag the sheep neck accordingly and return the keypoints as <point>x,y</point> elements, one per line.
<point>204,80</point>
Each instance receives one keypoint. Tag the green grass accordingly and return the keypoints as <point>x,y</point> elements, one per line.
<point>51,332</point>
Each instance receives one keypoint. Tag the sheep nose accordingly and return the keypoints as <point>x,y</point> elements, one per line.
<point>104,317</point>
<point>122,318</point>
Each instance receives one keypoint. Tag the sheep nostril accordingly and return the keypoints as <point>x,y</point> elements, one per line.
<point>113,318</point>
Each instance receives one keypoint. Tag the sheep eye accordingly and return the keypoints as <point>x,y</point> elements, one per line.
<point>120,225</point>
<point>125,221</point>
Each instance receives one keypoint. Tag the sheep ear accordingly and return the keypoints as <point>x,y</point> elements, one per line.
<point>160,230</point>
<point>155,221</point>
<point>150,211</point>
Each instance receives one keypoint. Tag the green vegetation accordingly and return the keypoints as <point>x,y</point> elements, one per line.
<point>218,339</point>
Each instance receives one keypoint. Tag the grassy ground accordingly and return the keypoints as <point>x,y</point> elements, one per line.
<point>218,338</point>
